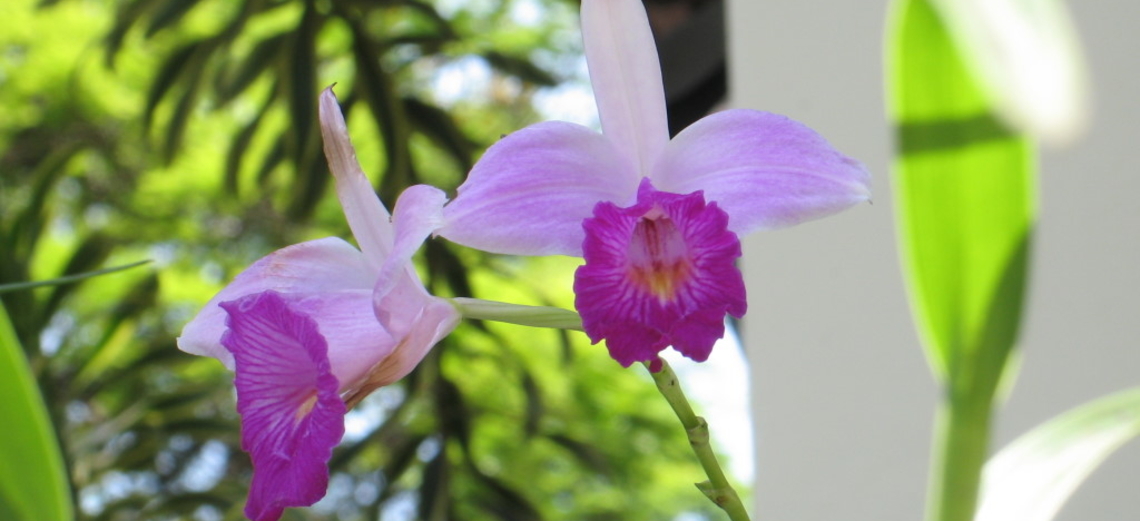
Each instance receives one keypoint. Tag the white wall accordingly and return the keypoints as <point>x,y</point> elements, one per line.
<point>842,398</point>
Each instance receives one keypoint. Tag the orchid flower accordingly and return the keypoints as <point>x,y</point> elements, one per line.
<point>313,328</point>
<point>656,220</point>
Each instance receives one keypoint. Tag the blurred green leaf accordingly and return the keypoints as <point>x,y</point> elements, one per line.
<point>1028,60</point>
<point>965,187</point>
<point>33,480</point>
<point>125,17</point>
<point>520,68</point>
<point>259,59</point>
<point>169,13</point>
<point>377,90</point>
<point>239,147</point>
<point>1031,478</point>
<point>180,63</point>
<point>435,492</point>
<point>438,125</point>
<point>503,501</point>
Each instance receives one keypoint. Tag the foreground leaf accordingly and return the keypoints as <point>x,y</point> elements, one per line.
<point>1028,59</point>
<point>965,186</point>
<point>33,480</point>
<point>1030,479</point>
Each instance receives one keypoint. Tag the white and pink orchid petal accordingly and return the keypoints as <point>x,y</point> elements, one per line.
<point>436,319</point>
<point>626,75</point>
<point>418,214</point>
<point>530,191</point>
<point>423,321</point>
<point>366,215</point>
<point>291,411</point>
<point>764,170</point>
<point>399,297</point>
<point>356,341</point>
<point>319,266</point>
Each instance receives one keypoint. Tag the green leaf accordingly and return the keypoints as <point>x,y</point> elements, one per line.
<point>965,189</point>
<point>520,68</point>
<point>239,147</point>
<point>179,63</point>
<point>125,17</point>
<point>33,479</point>
<point>242,74</point>
<point>439,125</point>
<point>1027,58</point>
<point>376,88</point>
<point>169,13</point>
<point>1031,478</point>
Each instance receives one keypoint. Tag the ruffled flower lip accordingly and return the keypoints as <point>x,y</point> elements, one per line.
<point>291,410</point>
<point>659,273</point>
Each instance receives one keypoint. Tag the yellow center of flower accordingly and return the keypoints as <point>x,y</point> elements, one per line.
<point>306,407</point>
<point>659,261</point>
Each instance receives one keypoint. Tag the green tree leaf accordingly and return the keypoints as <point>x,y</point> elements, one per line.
<point>1030,479</point>
<point>33,482</point>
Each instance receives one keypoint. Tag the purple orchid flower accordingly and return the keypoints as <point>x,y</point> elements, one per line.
<point>656,220</point>
<point>313,328</point>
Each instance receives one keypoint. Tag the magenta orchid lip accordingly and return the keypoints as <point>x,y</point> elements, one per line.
<point>659,273</point>
<point>292,415</point>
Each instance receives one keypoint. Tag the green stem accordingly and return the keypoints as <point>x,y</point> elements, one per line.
<point>17,286</point>
<point>961,443</point>
<point>717,487</point>
<point>533,316</point>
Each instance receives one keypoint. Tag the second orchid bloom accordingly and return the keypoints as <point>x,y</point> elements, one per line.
<point>313,328</point>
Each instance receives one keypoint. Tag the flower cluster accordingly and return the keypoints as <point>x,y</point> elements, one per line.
<point>313,328</point>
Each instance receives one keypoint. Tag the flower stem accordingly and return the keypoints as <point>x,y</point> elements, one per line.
<point>717,487</point>
<point>961,441</point>
<point>533,316</point>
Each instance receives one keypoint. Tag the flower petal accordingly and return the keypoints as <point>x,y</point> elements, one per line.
<point>530,191</point>
<point>366,215</point>
<point>626,75</point>
<point>419,212</point>
<point>356,340</point>
<point>320,266</point>
<point>659,273</point>
<point>435,319</point>
<point>764,169</point>
<point>292,415</point>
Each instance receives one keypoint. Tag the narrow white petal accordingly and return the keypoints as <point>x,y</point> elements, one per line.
<point>367,217</point>
<point>626,75</point>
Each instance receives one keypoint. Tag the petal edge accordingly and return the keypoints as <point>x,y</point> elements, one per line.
<point>530,191</point>
<point>292,414</point>
<point>766,170</point>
